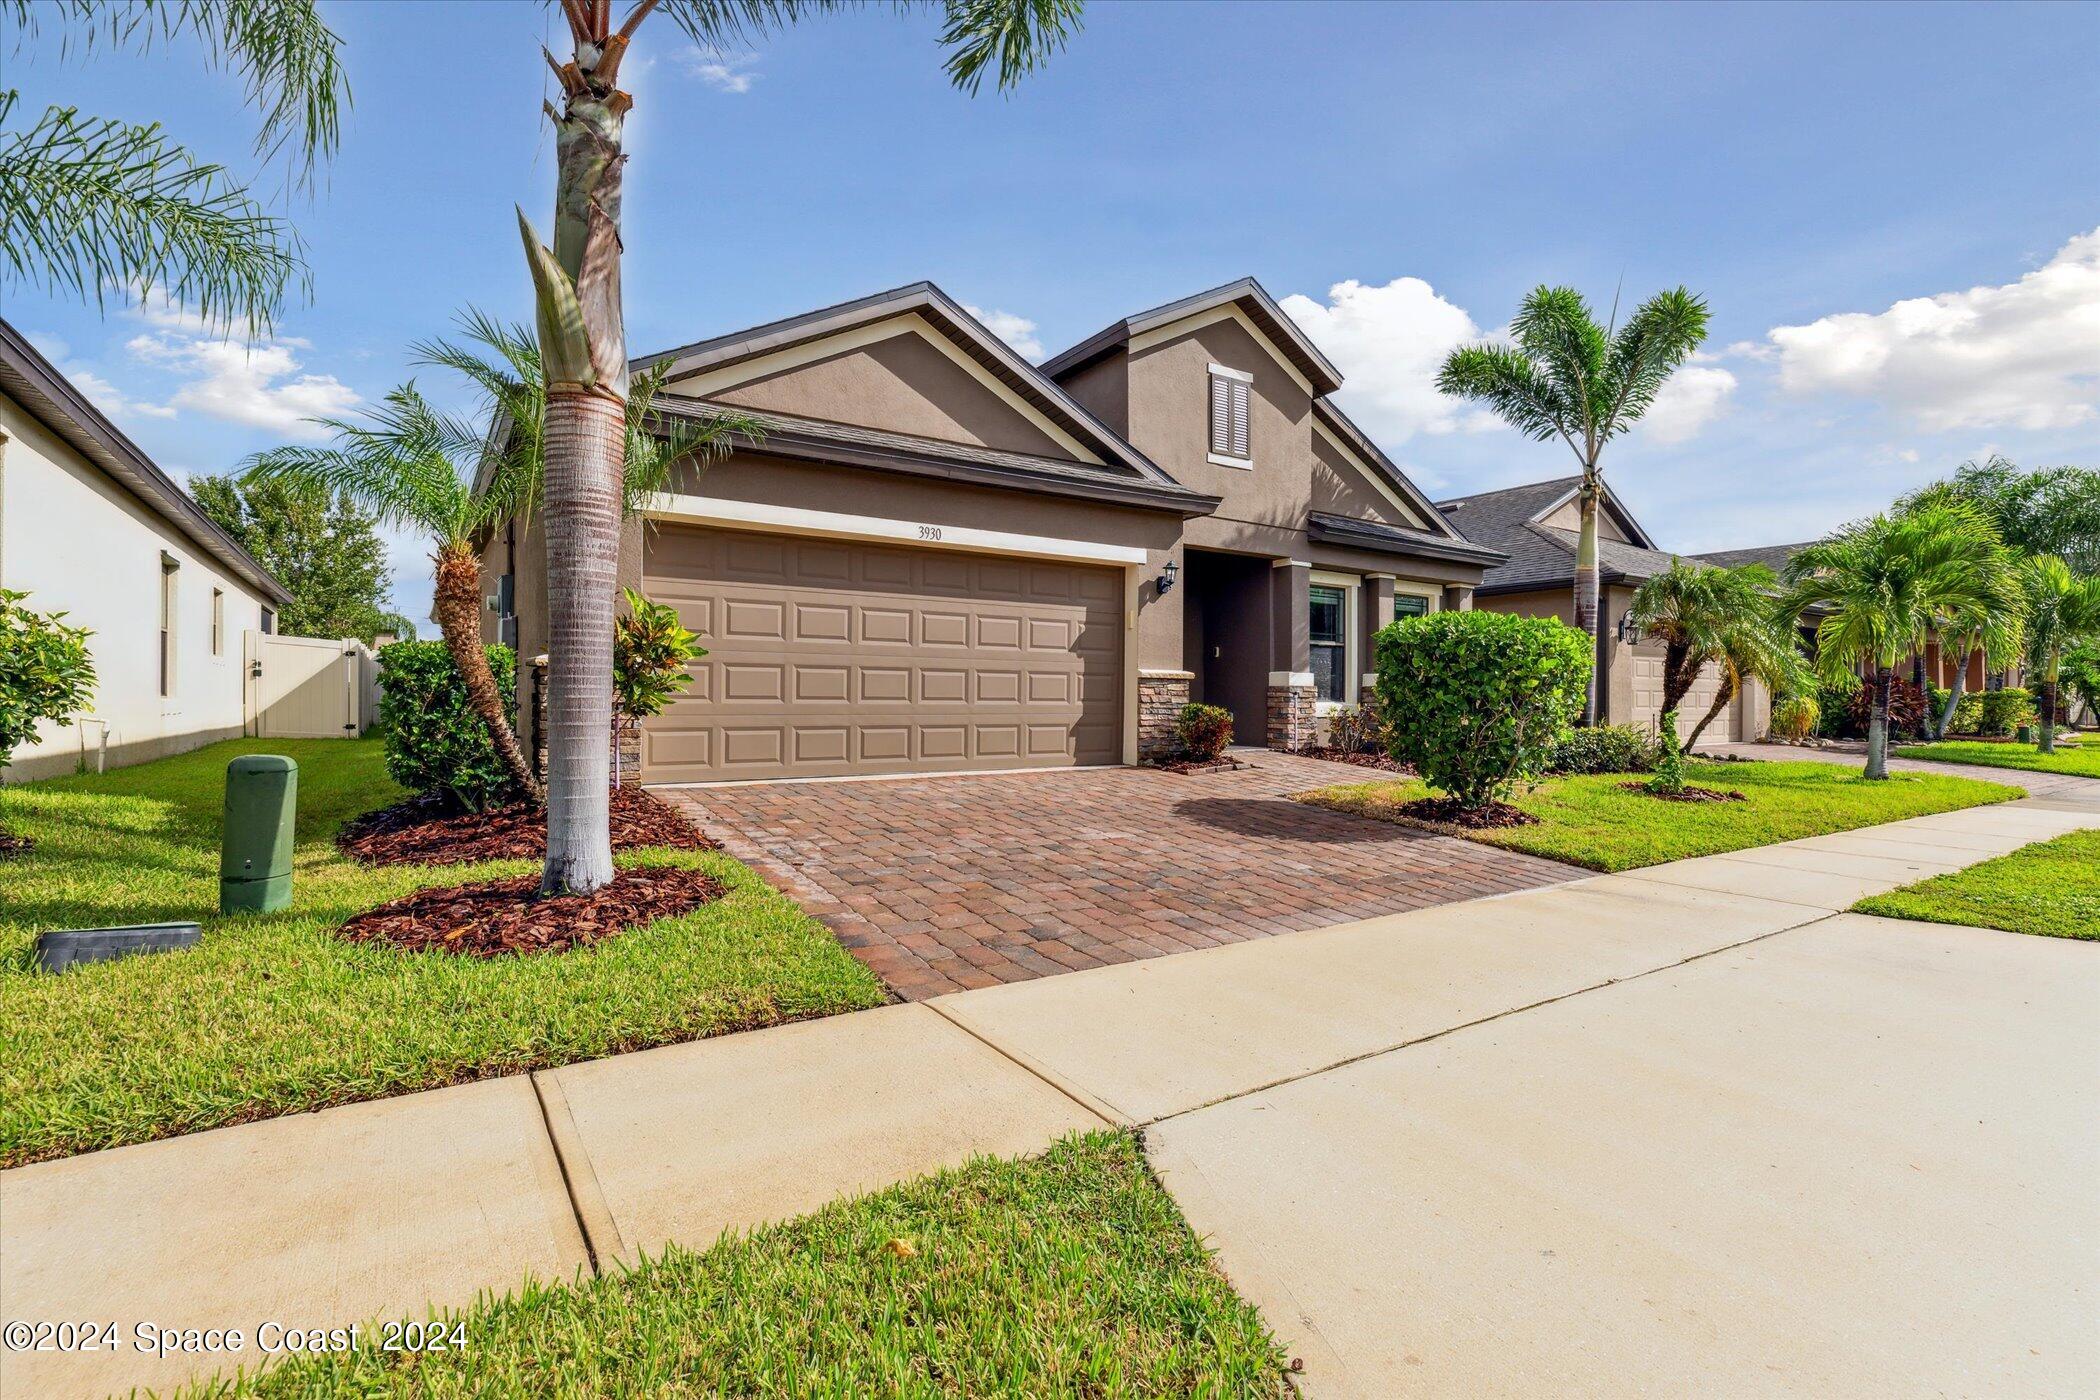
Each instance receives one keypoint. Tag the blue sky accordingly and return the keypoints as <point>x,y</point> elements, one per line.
<point>1894,211</point>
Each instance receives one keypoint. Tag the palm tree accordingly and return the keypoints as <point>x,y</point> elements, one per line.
<point>1992,622</point>
<point>1692,609</point>
<point>1564,376</point>
<point>89,204</point>
<point>2063,610</point>
<point>1756,649</point>
<point>583,345</point>
<point>1878,585</point>
<point>414,468</point>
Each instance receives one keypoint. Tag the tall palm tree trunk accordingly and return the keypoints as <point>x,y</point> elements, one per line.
<point>2045,706</point>
<point>456,604</point>
<point>1961,680</point>
<point>1878,723</point>
<point>1586,582</point>
<point>586,452</point>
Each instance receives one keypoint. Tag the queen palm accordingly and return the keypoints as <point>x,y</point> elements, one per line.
<point>1694,609</point>
<point>92,205</point>
<point>1876,588</point>
<point>1565,376</point>
<point>583,345</point>
<point>2063,610</point>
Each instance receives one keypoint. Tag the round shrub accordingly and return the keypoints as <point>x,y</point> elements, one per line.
<point>435,743</point>
<point>1478,700</point>
<point>1605,748</point>
<point>1794,718</point>
<point>1204,731</point>
<point>2000,712</point>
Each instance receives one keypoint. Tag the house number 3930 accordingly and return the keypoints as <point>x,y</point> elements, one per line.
<point>929,532</point>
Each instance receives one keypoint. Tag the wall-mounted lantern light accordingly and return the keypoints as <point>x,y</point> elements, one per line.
<point>1628,633</point>
<point>1166,577</point>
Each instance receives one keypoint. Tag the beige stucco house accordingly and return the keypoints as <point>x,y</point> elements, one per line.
<point>934,556</point>
<point>89,525</point>
<point>1536,527</point>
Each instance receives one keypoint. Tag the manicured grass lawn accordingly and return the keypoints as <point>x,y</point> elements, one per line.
<point>272,1014</point>
<point>1066,1274</point>
<point>1593,821</point>
<point>2080,759</point>
<point>2052,887</point>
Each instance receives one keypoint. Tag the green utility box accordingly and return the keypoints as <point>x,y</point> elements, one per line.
<point>255,852</point>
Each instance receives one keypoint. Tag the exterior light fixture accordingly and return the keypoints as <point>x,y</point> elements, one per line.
<point>1166,577</point>
<point>1627,631</point>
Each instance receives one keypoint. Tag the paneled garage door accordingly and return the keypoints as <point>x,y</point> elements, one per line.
<point>827,657</point>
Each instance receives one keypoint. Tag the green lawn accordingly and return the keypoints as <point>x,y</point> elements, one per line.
<point>1066,1274</point>
<point>272,1014</point>
<point>2077,758</point>
<point>2052,887</point>
<point>1593,821</point>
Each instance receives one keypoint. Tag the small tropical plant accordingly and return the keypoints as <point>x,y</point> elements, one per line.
<point>2063,611</point>
<point>45,673</point>
<point>650,651</point>
<point>1204,731</point>
<point>1877,587</point>
<point>1565,376</point>
<point>1794,718</point>
<point>1669,759</point>
<point>1478,701</point>
<point>1360,728</point>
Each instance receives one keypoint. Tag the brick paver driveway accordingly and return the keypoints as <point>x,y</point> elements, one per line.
<point>941,884</point>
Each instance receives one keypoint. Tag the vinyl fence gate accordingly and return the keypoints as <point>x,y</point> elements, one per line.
<point>310,687</point>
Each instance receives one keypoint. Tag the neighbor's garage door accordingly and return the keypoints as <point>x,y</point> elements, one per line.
<point>827,658</point>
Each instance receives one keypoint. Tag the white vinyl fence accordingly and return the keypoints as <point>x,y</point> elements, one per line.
<point>310,687</point>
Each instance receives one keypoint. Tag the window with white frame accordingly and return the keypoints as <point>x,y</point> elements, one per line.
<point>1330,643</point>
<point>1409,605</point>
<point>1229,443</point>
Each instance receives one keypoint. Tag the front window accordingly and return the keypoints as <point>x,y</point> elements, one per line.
<point>1330,642</point>
<point>1409,605</point>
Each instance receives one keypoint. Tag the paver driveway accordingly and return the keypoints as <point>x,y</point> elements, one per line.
<point>948,883</point>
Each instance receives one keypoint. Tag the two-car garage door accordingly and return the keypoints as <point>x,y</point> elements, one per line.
<point>829,657</point>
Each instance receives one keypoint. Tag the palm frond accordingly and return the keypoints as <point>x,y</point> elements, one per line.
<point>88,204</point>
<point>1011,38</point>
<point>1510,382</point>
<point>404,461</point>
<point>1659,337</point>
<point>1555,328</point>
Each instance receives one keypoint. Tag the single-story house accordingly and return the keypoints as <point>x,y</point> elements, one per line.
<point>1537,526</point>
<point>89,525</point>
<point>932,555</point>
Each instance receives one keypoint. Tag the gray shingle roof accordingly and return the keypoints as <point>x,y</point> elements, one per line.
<point>1772,556</point>
<point>1542,556</point>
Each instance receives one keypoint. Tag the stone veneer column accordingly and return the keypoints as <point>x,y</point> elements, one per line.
<point>1161,694</point>
<point>1290,708</point>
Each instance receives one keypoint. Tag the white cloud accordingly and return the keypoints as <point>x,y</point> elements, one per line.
<point>2022,355</point>
<point>254,384</point>
<point>1389,342</point>
<point>1689,399</point>
<point>724,72</point>
<point>1017,331</point>
<point>100,392</point>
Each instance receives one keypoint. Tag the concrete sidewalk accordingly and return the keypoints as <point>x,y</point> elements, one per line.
<point>378,1210</point>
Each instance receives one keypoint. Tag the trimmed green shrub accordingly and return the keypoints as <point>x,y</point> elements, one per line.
<point>1605,748</point>
<point>1794,718</point>
<point>1477,701</point>
<point>2000,712</point>
<point>45,672</point>
<point>1204,731</point>
<point>435,743</point>
<point>1968,714</point>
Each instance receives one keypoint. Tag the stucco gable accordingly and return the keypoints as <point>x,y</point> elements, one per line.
<point>1341,486</point>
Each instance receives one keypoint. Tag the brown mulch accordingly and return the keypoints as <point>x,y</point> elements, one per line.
<point>12,845</point>
<point>430,831</point>
<point>493,917</point>
<point>1690,794</point>
<point>1362,758</point>
<point>1199,765</point>
<point>1449,811</point>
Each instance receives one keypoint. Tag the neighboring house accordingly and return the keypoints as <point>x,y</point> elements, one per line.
<point>89,525</point>
<point>1537,526</point>
<point>938,557</point>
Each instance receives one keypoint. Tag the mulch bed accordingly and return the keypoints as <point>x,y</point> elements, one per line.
<point>1690,794</point>
<point>494,917</point>
<point>12,845</point>
<point>1449,811</point>
<point>431,831</point>
<point>1362,758</point>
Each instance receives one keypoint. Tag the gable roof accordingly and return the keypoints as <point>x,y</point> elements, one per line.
<point>1359,442</point>
<point>1248,295</point>
<point>1540,555</point>
<point>948,317</point>
<point>50,398</point>
<point>1772,556</point>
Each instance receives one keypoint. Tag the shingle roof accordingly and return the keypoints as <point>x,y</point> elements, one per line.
<point>1772,556</point>
<point>1252,298</point>
<point>1541,556</point>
